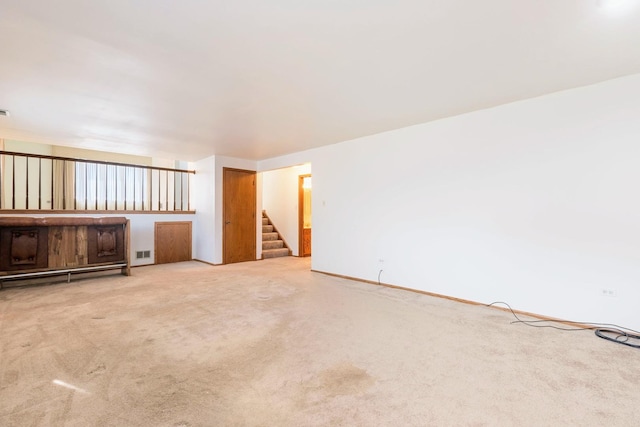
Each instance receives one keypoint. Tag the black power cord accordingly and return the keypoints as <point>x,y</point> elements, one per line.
<point>608,331</point>
<point>602,333</point>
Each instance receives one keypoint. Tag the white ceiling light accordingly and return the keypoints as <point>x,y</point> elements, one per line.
<point>4,113</point>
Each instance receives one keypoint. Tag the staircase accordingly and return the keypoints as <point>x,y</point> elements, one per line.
<point>273,245</point>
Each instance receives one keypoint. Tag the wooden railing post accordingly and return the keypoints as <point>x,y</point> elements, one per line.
<point>67,181</point>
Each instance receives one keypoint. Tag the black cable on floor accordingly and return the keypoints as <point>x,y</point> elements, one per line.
<point>602,333</point>
<point>621,334</point>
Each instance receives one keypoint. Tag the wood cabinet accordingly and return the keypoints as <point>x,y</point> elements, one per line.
<point>34,247</point>
<point>306,242</point>
<point>172,242</point>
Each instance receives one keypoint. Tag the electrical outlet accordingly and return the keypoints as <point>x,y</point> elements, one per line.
<point>607,292</point>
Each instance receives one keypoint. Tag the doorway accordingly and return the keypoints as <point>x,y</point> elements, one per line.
<point>239,215</point>
<point>304,215</point>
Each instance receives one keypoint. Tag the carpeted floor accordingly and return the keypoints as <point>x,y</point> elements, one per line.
<point>270,343</point>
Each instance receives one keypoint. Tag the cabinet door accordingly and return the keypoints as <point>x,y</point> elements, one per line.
<point>23,248</point>
<point>173,242</point>
<point>105,243</point>
<point>306,242</point>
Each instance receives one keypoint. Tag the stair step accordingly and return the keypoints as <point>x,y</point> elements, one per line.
<point>269,236</point>
<point>272,244</point>
<point>275,253</point>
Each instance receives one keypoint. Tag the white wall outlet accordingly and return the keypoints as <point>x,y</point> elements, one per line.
<point>608,292</point>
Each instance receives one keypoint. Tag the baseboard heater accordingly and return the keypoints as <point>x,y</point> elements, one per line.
<point>59,272</point>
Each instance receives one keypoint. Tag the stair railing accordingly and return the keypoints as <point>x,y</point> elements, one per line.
<point>52,183</point>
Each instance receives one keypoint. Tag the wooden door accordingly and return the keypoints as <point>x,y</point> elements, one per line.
<point>172,242</point>
<point>239,215</point>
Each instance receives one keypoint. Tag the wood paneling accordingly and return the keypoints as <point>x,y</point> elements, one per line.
<point>68,246</point>
<point>306,242</point>
<point>239,213</point>
<point>172,242</point>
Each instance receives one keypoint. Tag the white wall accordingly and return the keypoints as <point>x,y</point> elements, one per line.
<point>534,203</point>
<point>80,153</point>
<point>280,200</point>
<point>203,200</point>
<point>207,200</point>
<point>143,229</point>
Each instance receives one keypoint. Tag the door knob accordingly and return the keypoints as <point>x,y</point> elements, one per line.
<point>227,222</point>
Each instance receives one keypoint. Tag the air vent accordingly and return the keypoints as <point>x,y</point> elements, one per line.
<point>143,254</point>
<point>4,113</point>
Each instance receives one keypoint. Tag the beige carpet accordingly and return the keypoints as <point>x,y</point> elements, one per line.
<point>270,343</point>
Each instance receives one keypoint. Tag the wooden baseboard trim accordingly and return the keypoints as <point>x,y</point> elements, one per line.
<point>461,300</point>
<point>193,259</point>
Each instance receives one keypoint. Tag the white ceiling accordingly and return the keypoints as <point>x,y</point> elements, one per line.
<point>255,79</point>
